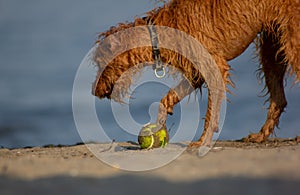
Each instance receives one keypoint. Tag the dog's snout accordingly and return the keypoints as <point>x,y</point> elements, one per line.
<point>101,90</point>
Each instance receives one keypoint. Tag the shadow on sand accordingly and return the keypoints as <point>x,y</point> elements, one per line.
<point>144,185</point>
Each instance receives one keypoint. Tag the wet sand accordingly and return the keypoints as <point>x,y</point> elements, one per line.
<point>231,167</point>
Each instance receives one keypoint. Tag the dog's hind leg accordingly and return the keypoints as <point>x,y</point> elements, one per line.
<point>274,68</point>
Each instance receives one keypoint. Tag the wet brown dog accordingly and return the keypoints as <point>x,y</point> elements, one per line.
<point>225,28</point>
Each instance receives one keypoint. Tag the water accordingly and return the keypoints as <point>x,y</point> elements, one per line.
<point>42,45</point>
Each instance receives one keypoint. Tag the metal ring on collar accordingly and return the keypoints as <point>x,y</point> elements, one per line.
<point>158,75</point>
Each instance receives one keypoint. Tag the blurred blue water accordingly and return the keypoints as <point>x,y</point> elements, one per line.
<point>41,46</point>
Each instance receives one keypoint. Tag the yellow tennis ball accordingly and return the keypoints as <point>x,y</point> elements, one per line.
<point>153,136</point>
<point>161,137</point>
<point>146,138</point>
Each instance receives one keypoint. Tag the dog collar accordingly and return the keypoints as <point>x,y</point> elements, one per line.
<point>158,64</point>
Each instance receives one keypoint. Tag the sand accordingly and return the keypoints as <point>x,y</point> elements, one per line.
<point>229,168</point>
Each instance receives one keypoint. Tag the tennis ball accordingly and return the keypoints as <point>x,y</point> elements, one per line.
<point>153,136</point>
<point>146,138</point>
<point>161,137</point>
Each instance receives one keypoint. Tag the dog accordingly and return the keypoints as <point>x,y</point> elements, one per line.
<point>225,28</point>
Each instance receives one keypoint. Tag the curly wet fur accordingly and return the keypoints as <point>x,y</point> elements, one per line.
<point>225,28</point>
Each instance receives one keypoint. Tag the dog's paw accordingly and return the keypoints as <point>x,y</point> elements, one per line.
<point>255,138</point>
<point>198,148</point>
<point>194,145</point>
<point>198,144</point>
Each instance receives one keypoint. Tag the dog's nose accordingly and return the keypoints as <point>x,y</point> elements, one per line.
<point>107,95</point>
<point>100,93</point>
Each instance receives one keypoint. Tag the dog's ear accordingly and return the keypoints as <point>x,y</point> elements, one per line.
<point>114,43</point>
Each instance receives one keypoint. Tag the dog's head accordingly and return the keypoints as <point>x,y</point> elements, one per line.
<point>110,81</point>
<point>115,72</point>
<point>105,79</point>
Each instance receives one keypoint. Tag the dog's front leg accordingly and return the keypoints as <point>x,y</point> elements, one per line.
<point>174,96</point>
<point>207,134</point>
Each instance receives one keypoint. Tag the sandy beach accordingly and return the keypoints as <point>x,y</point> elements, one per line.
<point>229,168</point>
